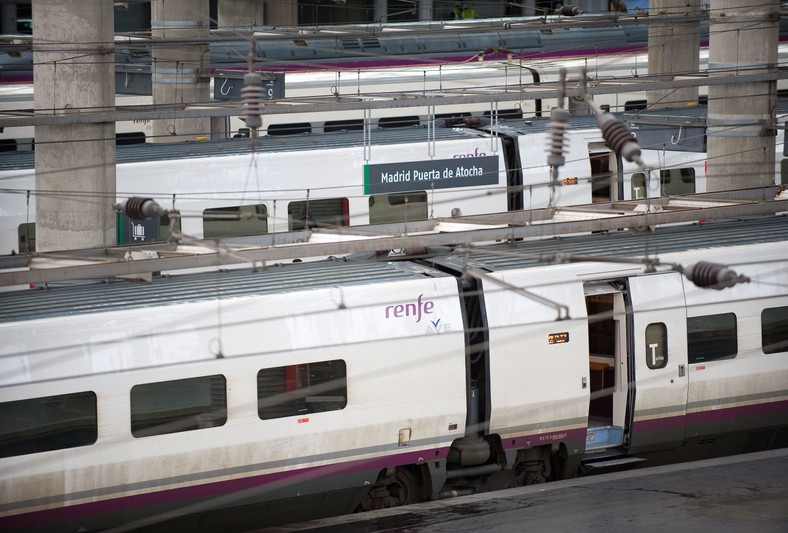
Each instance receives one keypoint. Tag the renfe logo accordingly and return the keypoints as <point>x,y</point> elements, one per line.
<point>417,309</point>
<point>476,153</point>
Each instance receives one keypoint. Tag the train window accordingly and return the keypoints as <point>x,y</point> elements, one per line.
<point>353,124</point>
<point>234,220</point>
<point>677,181</point>
<point>8,145</point>
<point>168,226</point>
<point>296,390</point>
<point>26,237</point>
<point>638,186</point>
<point>774,330</point>
<point>290,129</point>
<point>397,207</point>
<point>635,105</point>
<point>48,423</point>
<point>711,337</point>
<point>324,213</point>
<point>126,139</point>
<point>178,405</point>
<point>399,122</point>
<point>657,345</point>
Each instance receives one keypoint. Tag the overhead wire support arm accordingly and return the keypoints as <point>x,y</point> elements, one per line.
<point>556,135</point>
<point>615,132</point>
<point>562,310</point>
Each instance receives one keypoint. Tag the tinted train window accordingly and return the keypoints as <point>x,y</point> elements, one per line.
<point>635,105</point>
<point>677,181</point>
<point>325,213</point>
<point>297,390</point>
<point>48,423</point>
<point>656,345</point>
<point>290,129</point>
<point>26,237</point>
<point>774,330</point>
<point>179,405</point>
<point>638,186</point>
<point>399,122</point>
<point>344,125</point>
<point>168,226</point>
<point>399,207</point>
<point>8,145</point>
<point>711,337</point>
<point>234,220</point>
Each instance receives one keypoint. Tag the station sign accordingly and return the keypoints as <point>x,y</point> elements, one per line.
<point>133,231</point>
<point>227,84</point>
<point>434,174</point>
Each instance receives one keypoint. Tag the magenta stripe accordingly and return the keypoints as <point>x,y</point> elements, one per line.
<point>204,490</point>
<point>744,411</point>
<point>540,439</point>
<point>710,415</point>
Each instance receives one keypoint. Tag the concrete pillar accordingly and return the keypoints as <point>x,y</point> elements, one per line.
<point>425,10</point>
<point>743,39</point>
<point>8,19</point>
<point>241,14</point>
<point>528,8</point>
<point>673,49</point>
<point>381,12</point>
<point>75,163</point>
<point>180,71</point>
<point>281,12</point>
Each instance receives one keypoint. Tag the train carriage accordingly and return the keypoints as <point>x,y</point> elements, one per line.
<point>320,388</point>
<point>280,399</point>
<point>241,187</point>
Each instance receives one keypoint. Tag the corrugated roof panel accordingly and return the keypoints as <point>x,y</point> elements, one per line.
<point>629,244</point>
<point>162,291</point>
<point>267,144</point>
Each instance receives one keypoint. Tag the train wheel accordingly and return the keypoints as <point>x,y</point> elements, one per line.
<point>404,488</point>
<point>400,488</point>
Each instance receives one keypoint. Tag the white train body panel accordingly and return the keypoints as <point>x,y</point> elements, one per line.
<point>380,344</point>
<point>752,378</point>
<point>573,186</point>
<point>276,178</point>
<point>530,397</point>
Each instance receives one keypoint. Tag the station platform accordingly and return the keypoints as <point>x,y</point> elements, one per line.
<point>731,494</point>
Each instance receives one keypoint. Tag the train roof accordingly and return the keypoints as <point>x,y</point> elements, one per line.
<point>687,116</point>
<point>90,297</point>
<point>112,295</point>
<point>664,240</point>
<point>143,152</point>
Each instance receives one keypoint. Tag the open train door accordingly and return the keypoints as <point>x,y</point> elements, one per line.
<point>607,368</point>
<point>658,340</point>
<point>605,172</point>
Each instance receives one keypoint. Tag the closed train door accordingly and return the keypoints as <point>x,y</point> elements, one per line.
<point>658,341</point>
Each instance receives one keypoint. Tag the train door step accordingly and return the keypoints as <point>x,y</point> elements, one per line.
<point>615,463</point>
<point>602,436</point>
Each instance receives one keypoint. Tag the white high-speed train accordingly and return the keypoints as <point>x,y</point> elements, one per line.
<point>242,399</point>
<point>473,77</point>
<point>288,183</point>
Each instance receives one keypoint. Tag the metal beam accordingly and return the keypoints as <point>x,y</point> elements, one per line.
<point>413,235</point>
<point>374,101</point>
